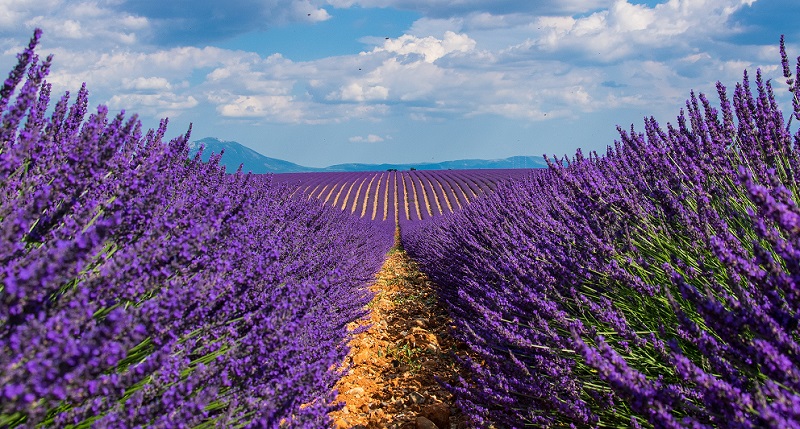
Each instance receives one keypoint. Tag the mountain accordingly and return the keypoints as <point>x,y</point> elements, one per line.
<point>461,164</point>
<point>236,154</point>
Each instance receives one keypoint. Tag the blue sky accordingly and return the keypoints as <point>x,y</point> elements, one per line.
<point>321,82</point>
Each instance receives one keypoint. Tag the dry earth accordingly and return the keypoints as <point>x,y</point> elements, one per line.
<point>392,382</point>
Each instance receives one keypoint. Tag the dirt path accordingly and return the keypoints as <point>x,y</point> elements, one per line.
<point>391,381</point>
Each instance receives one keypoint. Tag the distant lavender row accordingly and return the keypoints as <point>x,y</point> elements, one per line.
<point>656,286</point>
<point>399,196</point>
<point>142,289</point>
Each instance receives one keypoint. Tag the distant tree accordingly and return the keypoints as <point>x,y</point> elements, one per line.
<point>412,169</point>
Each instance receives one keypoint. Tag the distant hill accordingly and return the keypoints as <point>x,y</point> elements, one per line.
<point>461,164</point>
<point>236,154</point>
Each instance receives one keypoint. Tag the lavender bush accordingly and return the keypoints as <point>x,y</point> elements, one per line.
<point>142,288</point>
<point>654,286</point>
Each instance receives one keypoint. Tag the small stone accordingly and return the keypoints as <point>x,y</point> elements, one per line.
<point>361,357</point>
<point>341,424</point>
<point>355,391</point>
<point>424,423</point>
<point>416,398</point>
<point>420,322</point>
<point>439,414</point>
<point>431,365</point>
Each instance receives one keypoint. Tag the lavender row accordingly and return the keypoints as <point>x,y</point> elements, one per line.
<point>419,194</point>
<point>654,286</point>
<point>139,288</point>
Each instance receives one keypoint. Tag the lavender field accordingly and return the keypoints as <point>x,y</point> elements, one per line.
<point>399,196</point>
<point>142,289</point>
<point>652,286</point>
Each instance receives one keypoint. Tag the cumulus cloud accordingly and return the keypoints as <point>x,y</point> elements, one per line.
<point>82,23</point>
<point>279,107</point>
<point>447,8</point>
<point>13,12</point>
<point>132,70</point>
<point>370,138</point>
<point>108,23</point>
<point>403,70</point>
<point>160,105</point>
<point>146,83</point>
<point>357,92</point>
<point>606,32</point>
<point>632,30</point>
<point>429,48</point>
<point>524,60</point>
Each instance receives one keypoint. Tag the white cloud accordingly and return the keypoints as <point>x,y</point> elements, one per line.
<point>160,105</point>
<point>146,83</point>
<point>463,59</point>
<point>84,23</point>
<point>13,12</point>
<point>617,30</point>
<point>625,17</point>
<point>370,138</point>
<point>67,29</point>
<point>626,29</point>
<point>279,107</point>
<point>131,69</point>
<point>357,92</point>
<point>313,13</point>
<point>444,8</point>
<point>430,48</point>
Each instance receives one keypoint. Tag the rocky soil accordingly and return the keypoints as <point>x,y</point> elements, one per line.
<point>394,365</point>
